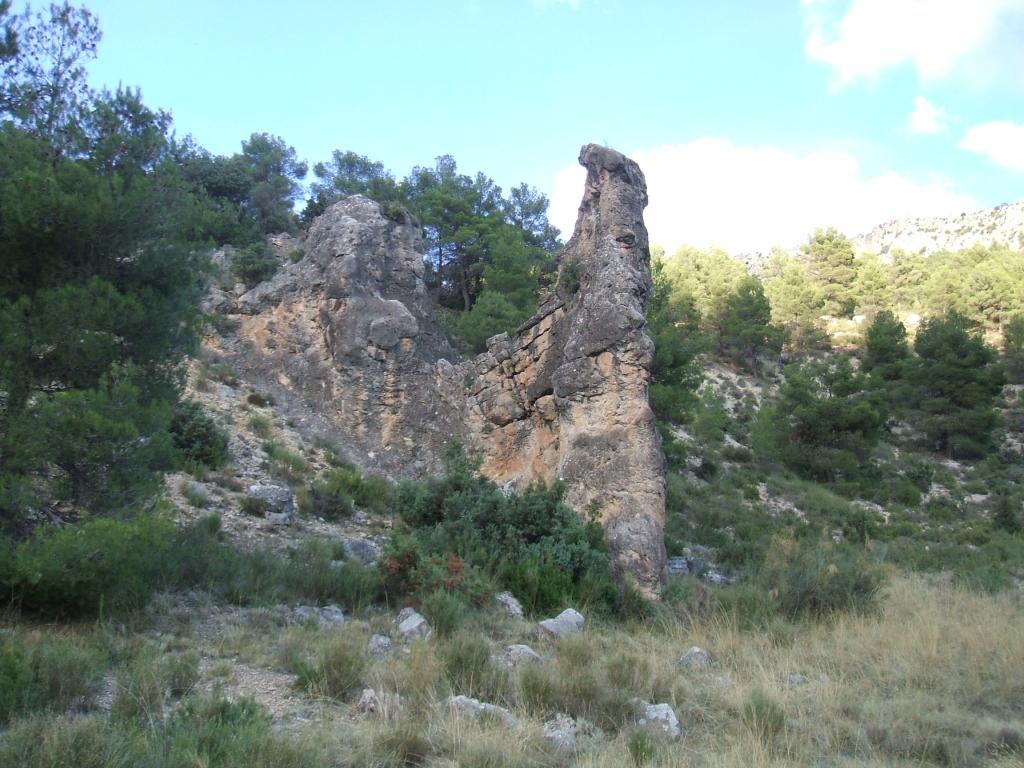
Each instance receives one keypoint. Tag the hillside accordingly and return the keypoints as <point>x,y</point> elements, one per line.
<point>1003,225</point>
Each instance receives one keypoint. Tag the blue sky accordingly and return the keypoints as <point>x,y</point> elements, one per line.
<point>754,120</point>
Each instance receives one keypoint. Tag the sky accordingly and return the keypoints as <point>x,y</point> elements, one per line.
<point>755,121</point>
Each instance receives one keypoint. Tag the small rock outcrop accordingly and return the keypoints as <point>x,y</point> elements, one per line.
<point>568,622</point>
<point>512,607</point>
<point>373,702</point>
<point>695,658</point>
<point>659,717</point>
<point>519,654</point>
<point>346,338</point>
<point>327,616</point>
<point>465,705</point>
<point>412,626</point>
<point>560,732</point>
<point>379,646</point>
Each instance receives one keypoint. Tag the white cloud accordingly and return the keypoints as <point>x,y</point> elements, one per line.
<point>926,118</point>
<point>713,192</point>
<point>933,36</point>
<point>1000,141</point>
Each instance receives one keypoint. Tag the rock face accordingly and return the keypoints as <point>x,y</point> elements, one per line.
<point>1002,224</point>
<point>347,337</point>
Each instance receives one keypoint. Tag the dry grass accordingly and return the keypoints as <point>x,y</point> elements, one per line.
<point>936,677</point>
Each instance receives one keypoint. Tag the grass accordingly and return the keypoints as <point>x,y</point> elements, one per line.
<point>935,676</point>
<point>286,463</point>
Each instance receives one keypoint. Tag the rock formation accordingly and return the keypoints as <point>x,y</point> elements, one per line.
<point>348,336</point>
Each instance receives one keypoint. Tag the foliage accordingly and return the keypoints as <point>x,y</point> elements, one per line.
<point>797,301</point>
<point>444,610</point>
<point>108,566</point>
<point>336,668</point>
<point>886,349</point>
<point>343,488</point>
<point>763,716</point>
<point>829,257</point>
<point>197,436</point>
<point>743,328</point>
<point>44,83</point>
<point>673,325</point>
<point>40,673</point>
<point>824,425</point>
<point>254,263</point>
<point>951,387</point>
<point>1013,349</point>
<point>465,516</point>
<point>821,578</point>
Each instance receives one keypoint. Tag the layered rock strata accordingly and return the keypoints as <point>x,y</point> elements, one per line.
<point>348,337</point>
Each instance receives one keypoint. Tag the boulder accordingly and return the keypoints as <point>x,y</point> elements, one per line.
<point>515,655</point>
<point>412,626</point>
<point>695,658</point>
<point>513,608</point>
<point>465,705</point>
<point>560,732</point>
<point>277,502</point>
<point>360,549</point>
<point>659,717</point>
<point>379,646</point>
<point>373,702</point>
<point>327,616</point>
<point>568,622</point>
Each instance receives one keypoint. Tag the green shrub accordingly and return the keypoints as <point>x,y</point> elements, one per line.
<point>260,425</point>
<point>45,673</point>
<point>821,578</point>
<point>335,669</point>
<point>97,565</point>
<point>254,264</point>
<point>465,515</point>
<point>180,672</point>
<point>541,587</point>
<point>763,716</point>
<point>139,695</point>
<point>343,488</point>
<point>195,496</point>
<point>470,669</point>
<point>642,745</point>
<point>286,462</point>
<point>444,610</point>
<point>403,745</point>
<point>58,741</point>
<point>197,436</point>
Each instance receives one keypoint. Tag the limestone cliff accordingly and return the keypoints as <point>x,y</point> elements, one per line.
<point>348,337</point>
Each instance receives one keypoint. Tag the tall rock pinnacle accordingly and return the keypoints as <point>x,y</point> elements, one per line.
<point>347,337</point>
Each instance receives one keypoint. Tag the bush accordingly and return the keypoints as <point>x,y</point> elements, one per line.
<point>818,579</point>
<point>99,565</point>
<point>197,436</point>
<point>335,669</point>
<point>254,264</point>
<point>465,515</point>
<point>140,691</point>
<point>287,463</point>
<point>642,745</point>
<point>344,488</point>
<point>763,716</point>
<point>444,611</point>
<point>470,669</point>
<point>40,673</point>
<point>260,425</point>
<point>109,566</point>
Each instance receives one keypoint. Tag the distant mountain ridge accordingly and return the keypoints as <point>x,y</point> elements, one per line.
<point>1003,224</point>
